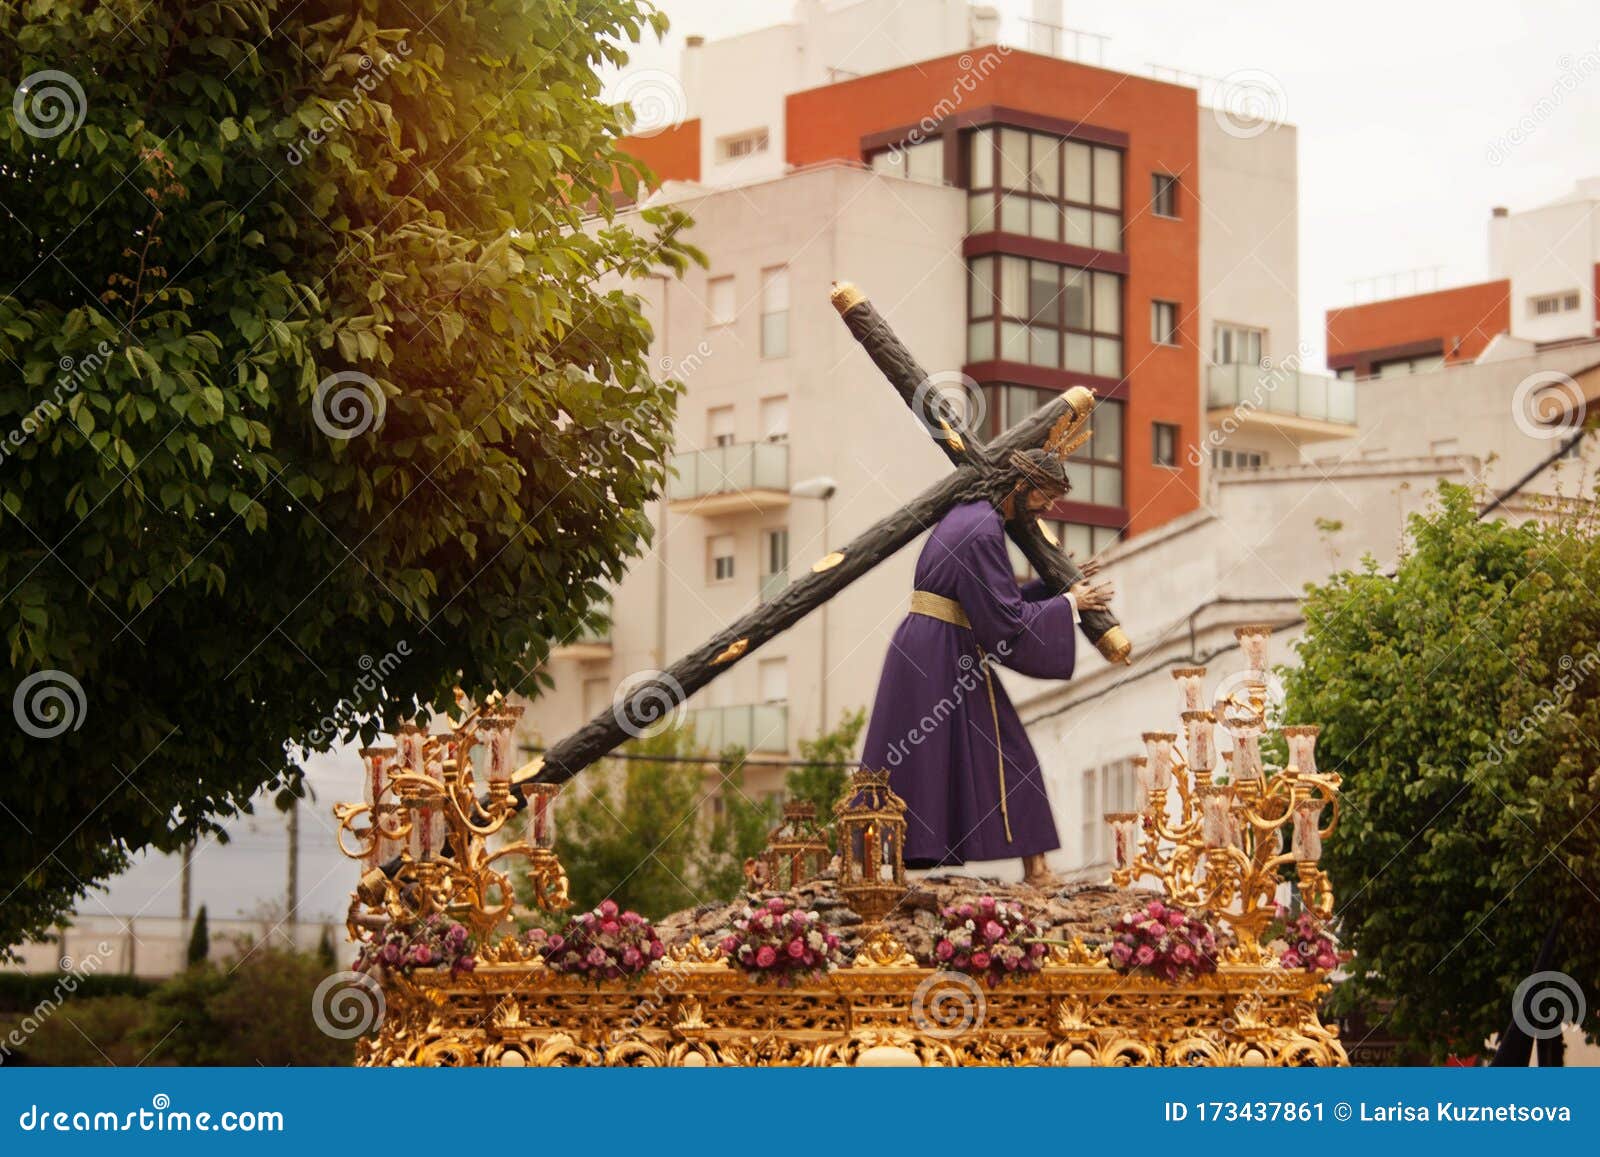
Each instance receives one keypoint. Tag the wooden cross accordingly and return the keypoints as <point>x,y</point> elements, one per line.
<point>981,474</point>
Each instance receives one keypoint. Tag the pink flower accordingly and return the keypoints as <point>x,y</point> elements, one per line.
<point>1155,910</point>
<point>986,904</point>
<point>775,905</point>
<point>1326,959</point>
<point>1182,953</point>
<point>631,957</point>
<point>730,945</point>
<point>656,950</point>
<point>597,956</point>
<point>608,908</point>
<point>766,957</point>
<point>609,927</point>
<point>980,960</point>
<point>1175,919</point>
<point>945,950</point>
<point>992,931</point>
<point>422,954</point>
<point>1291,959</point>
<point>1145,955</point>
<point>797,948</point>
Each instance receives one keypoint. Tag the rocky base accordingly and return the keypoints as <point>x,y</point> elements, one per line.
<point>1084,911</point>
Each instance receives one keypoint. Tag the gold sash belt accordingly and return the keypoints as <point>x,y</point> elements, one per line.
<point>949,611</point>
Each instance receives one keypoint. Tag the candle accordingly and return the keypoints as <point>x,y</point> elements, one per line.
<point>1216,824</point>
<point>1303,747</point>
<point>1189,680</point>
<point>1253,641</point>
<point>1198,725</point>
<point>1158,750</point>
<point>1307,844</point>
<point>1247,757</point>
<point>1125,832</point>
<point>541,819</point>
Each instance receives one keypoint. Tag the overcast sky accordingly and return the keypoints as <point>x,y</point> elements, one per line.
<point>1399,107</point>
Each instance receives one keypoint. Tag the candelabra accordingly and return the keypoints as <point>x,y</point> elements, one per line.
<point>424,830</point>
<point>1223,844</point>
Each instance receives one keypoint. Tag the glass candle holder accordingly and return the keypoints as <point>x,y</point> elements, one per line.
<point>1247,757</point>
<point>541,818</point>
<point>377,763</point>
<point>1189,680</point>
<point>1216,816</point>
<point>497,739</point>
<point>1303,747</point>
<point>1307,843</point>
<point>1125,832</point>
<point>1141,780</point>
<point>1197,726</point>
<point>1253,642</point>
<point>1158,751</point>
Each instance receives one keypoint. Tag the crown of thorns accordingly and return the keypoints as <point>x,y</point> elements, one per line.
<point>1045,469</point>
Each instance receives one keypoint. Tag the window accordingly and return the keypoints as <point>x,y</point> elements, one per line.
<point>773,676</point>
<point>1163,194</point>
<point>1095,468</point>
<point>719,555</point>
<point>1236,345</point>
<point>1091,818</point>
<point>742,145</point>
<point>923,161</point>
<point>775,418</point>
<point>775,312</point>
<point>1163,444</point>
<point>1082,540</point>
<point>774,562</point>
<point>1549,303</point>
<point>1044,314</point>
<point>720,305</point>
<point>1238,459</point>
<point>719,426</point>
<point>596,696</point>
<point>1400,367</point>
<point>1164,322</point>
<point>1042,185</point>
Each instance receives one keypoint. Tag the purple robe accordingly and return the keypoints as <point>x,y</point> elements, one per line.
<point>934,725</point>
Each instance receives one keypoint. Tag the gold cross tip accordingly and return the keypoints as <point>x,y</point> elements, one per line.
<point>845,296</point>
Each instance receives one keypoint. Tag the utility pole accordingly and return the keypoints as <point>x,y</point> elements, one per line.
<point>184,883</point>
<point>293,897</point>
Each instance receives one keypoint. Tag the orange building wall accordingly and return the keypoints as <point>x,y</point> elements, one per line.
<point>673,154</point>
<point>1161,121</point>
<point>1465,319</point>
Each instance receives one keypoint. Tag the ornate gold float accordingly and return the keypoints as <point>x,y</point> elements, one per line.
<point>1232,843</point>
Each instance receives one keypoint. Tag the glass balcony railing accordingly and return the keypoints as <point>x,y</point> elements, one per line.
<point>1278,390</point>
<point>730,469</point>
<point>754,727</point>
<point>773,585</point>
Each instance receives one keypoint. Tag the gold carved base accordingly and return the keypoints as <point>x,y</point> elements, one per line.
<point>697,1011</point>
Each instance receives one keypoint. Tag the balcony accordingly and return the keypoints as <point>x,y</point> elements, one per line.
<point>753,727</point>
<point>741,478</point>
<point>1305,406</point>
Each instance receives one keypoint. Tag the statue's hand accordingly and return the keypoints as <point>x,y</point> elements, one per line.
<point>1089,568</point>
<point>1093,596</point>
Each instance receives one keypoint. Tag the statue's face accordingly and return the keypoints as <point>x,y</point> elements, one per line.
<point>1039,502</point>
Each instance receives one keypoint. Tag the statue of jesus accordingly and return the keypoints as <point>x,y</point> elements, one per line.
<point>942,724</point>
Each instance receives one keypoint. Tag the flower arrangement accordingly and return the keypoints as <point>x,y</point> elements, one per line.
<point>437,942</point>
<point>990,939</point>
<point>603,944</point>
<point>780,941</point>
<point>1164,941</point>
<point>1305,943</point>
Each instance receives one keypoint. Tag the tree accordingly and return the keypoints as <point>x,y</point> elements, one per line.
<point>199,941</point>
<point>640,836</point>
<point>825,772</point>
<point>1460,701</point>
<point>323,392</point>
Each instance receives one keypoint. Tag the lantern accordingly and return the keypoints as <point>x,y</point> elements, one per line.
<point>871,822</point>
<point>1253,642</point>
<point>498,730</point>
<point>797,851</point>
<point>541,817</point>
